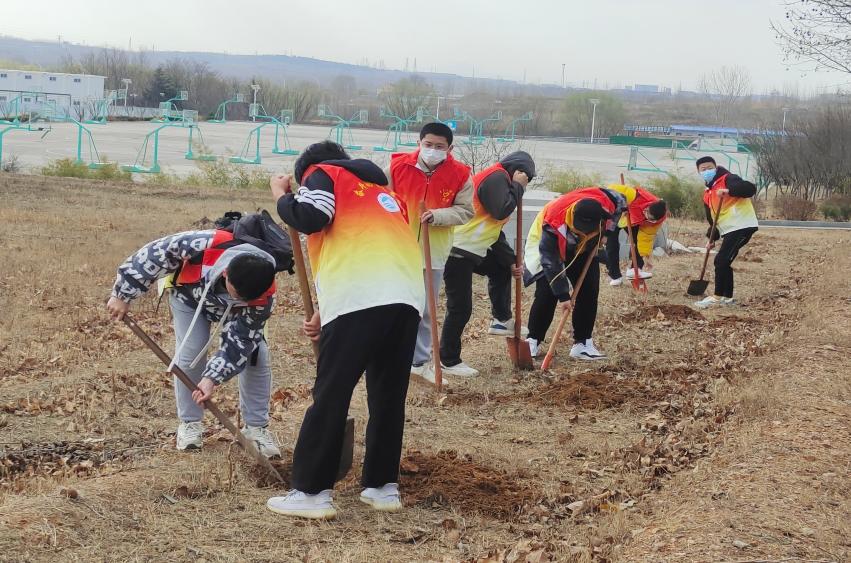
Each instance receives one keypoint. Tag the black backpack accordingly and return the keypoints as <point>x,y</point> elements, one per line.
<point>260,230</point>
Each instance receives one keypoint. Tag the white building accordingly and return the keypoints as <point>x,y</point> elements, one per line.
<point>24,91</point>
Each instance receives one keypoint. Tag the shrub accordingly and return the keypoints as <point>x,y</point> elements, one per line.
<point>568,179</point>
<point>683,196</point>
<point>67,168</point>
<point>11,164</point>
<point>837,208</point>
<point>795,208</point>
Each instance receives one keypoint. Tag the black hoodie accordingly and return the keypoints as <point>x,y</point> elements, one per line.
<point>312,208</point>
<point>499,195</point>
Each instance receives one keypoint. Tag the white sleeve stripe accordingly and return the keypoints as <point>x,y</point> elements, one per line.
<point>316,202</point>
<point>316,194</point>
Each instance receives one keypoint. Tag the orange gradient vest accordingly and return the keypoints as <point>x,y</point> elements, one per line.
<point>367,256</point>
<point>736,212</point>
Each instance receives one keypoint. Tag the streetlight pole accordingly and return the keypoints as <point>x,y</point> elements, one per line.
<point>255,87</point>
<point>784,118</point>
<point>594,102</point>
<point>127,82</point>
<point>562,75</point>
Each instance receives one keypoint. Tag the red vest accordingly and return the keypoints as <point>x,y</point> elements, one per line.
<point>710,196</point>
<point>555,212</point>
<point>643,200</point>
<point>482,230</point>
<point>438,190</point>
<point>192,272</point>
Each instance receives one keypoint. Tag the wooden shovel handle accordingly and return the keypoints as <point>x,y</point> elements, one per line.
<point>518,261</point>
<point>432,307</point>
<point>711,232</point>
<point>303,282</point>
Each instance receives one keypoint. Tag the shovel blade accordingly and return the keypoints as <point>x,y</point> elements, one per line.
<point>697,287</point>
<point>521,356</point>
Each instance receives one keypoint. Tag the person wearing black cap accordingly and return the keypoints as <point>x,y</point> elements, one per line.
<point>480,247</point>
<point>736,225</point>
<point>557,246</point>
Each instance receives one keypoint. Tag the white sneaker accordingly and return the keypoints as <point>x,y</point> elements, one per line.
<point>190,435</point>
<point>418,370</point>
<point>296,503</point>
<point>386,498</point>
<point>459,370</point>
<point>534,347</point>
<point>728,301</point>
<point>709,301</point>
<point>630,274</point>
<point>616,282</point>
<point>264,440</point>
<point>586,351</point>
<point>506,328</point>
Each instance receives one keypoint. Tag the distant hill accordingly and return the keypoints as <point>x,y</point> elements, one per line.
<point>272,67</point>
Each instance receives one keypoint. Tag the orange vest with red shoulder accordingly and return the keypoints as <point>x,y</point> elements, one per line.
<point>643,200</point>
<point>367,255</point>
<point>193,270</point>
<point>736,212</point>
<point>482,231</point>
<point>438,190</point>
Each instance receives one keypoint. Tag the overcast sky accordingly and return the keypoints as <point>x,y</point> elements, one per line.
<point>615,42</point>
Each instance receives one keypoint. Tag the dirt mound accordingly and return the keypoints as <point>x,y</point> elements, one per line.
<point>477,398</point>
<point>666,313</point>
<point>464,485</point>
<point>587,390</point>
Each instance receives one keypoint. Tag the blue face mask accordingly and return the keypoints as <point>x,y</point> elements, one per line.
<point>708,175</point>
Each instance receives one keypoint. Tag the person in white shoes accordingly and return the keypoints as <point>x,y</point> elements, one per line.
<point>558,244</point>
<point>431,175</point>
<point>737,223</point>
<point>646,213</point>
<point>216,281</point>
<point>367,267</point>
<point>480,247</point>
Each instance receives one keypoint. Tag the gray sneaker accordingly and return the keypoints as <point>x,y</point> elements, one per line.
<point>264,440</point>
<point>190,436</point>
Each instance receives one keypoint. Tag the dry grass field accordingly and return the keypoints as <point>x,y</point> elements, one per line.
<point>709,436</point>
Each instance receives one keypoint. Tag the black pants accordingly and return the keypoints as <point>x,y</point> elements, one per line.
<point>731,243</point>
<point>584,309</point>
<point>458,283</point>
<point>380,341</point>
<point>613,253</point>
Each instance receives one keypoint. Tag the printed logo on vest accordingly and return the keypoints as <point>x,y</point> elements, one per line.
<point>388,203</point>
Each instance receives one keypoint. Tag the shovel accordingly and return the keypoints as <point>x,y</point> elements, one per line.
<point>638,283</point>
<point>698,287</point>
<point>248,445</point>
<point>518,348</point>
<point>347,455</point>
<point>432,307</point>
<point>552,349</point>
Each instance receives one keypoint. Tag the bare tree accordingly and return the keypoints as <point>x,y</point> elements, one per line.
<point>817,32</point>
<point>728,88</point>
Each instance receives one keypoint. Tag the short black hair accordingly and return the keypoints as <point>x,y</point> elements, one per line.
<point>658,209</point>
<point>437,128</point>
<point>250,275</point>
<point>705,159</point>
<point>316,154</point>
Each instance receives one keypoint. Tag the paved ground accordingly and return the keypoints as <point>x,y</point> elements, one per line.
<point>120,141</point>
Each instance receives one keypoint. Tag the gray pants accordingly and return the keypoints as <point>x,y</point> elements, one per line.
<point>255,382</point>
<point>422,352</point>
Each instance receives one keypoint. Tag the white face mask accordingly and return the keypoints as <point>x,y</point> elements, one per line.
<point>432,157</point>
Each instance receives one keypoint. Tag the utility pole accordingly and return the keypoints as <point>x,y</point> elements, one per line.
<point>127,82</point>
<point>562,75</point>
<point>255,87</point>
<point>594,102</point>
<point>785,110</point>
